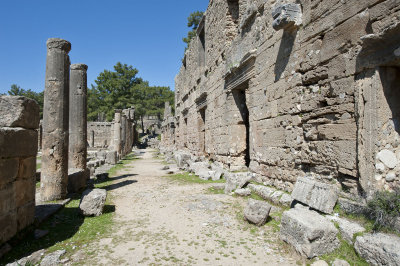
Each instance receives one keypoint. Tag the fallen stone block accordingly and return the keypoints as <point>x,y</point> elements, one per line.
<point>379,249</point>
<point>237,180</point>
<point>347,229</point>
<point>262,191</point>
<point>257,212</point>
<point>92,202</point>
<point>198,166</point>
<point>182,158</point>
<point>310,233</point>
<point>204,174</point>
<point>243,192</point>
<point>317,195</point>
<point>216,175</point>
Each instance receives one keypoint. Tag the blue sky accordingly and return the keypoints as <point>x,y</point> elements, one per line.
<point>146,34</point>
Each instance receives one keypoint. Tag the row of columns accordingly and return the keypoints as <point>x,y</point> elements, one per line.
<point>124,131</point>
<point>64,120</point>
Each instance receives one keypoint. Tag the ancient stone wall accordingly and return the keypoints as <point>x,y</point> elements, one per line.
<point>152,123</point>
<point>19,121</point>
<point>288,90</point>
<point>119,135</point>
<point>168,127</point>
<point>99,134</point>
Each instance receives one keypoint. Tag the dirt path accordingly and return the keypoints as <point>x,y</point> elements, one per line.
<point>162,221</point>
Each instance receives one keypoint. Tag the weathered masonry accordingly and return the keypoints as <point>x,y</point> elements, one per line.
<point>291,88</point>
<point>19,121</point>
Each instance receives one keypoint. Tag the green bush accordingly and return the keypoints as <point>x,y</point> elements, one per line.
<point>384,208</point>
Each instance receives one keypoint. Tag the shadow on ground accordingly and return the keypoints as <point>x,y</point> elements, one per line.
<point>62,226</point>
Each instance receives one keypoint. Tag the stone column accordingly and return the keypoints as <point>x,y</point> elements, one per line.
<point>123,134</point>
<point>117,131</point>
<point>54,176</point>
<point>92,139</point>
<point>78,117</point>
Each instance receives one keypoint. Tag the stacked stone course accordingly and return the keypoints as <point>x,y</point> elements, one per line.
<point>19,121</point>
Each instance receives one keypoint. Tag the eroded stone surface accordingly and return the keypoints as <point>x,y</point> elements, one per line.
<point>310,233</point>
<point>92,202</point>
<point>379,249</point>
<point>257,211</point>
<point>318,195</point>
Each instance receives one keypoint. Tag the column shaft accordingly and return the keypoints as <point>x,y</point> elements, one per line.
<point>54,176</point>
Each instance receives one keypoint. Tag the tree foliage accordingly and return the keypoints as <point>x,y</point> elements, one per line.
<point>37,96</point>
<point>193,23</point>
<point>122,88</point>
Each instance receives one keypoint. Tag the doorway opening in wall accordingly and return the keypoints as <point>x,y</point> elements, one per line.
<point>239,94</point>
<point>202,130</point>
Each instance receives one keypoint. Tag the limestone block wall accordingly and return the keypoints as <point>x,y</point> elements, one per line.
<point>119,136</point>
<point>317,98</point>
<point>19,121</point>
<point>102,133</point>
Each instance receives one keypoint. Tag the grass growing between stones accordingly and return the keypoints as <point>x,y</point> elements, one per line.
<point>213,190</point>
<point>68,230</point>
<point>188,178</point>
<point>345,252</point>
<point>122,164</point>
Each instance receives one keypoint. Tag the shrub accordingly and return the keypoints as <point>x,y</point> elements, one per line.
<point>384,208</point>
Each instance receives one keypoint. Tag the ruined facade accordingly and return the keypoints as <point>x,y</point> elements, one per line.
<point>99,134</point>
<point>119,135</point>
<point>288,89</point>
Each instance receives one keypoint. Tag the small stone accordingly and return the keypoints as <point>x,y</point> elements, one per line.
<point>338,262</point>
<point>378,177</point>
<point>243,192</point>
<point>391,176</point>
<point>388,158</point>
<point>165,167</point>
<point>380,167</point>
<point>257,211</point>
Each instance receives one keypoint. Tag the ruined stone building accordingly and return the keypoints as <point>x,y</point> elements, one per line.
<point>294,88</point>
<point>62,136</point>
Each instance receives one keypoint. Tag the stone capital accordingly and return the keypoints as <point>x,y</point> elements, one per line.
<point>56,43</point>
<point>79,67</point>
